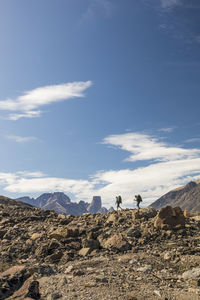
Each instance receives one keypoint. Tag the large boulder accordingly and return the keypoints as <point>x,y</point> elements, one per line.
<point>63,233</point>
<point>12,279</point>
<point>116,243</point>
<point>170,218</point>
<point>29,290</point>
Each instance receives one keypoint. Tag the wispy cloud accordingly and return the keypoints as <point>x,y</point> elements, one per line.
<point>21,139</point>
<point>27,105</point>
<point>194,140</point>
<point>169,168</point>
<point>28,114</point>
<point>167,129</point>
<point>145,147</point>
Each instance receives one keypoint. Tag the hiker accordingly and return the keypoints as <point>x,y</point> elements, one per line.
<point>138,199</point>
<point>118,201</point>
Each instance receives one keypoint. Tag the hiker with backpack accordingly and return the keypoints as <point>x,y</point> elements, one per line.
<point>138,199</point>
<point>118,201</point>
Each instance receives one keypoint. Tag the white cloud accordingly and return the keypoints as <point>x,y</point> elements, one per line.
<point>23,184</point>
<point>145,147</point>
<point>152,181</point>
<point>167,129</point>
<point>171,168</point>
<point>194,140</point>
<point>21,139</point>
<point>28,103</point>
<point>28,114</point>
<point>31,174</point>
<point>7,178</point>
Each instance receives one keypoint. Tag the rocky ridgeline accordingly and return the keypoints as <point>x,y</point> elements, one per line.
<point>61,204</point>
<point>118,255</point>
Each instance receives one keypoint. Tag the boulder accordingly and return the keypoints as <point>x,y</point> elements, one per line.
<point>91,243</point>
<point>55,257</point>
<point>191,274</point>
<point>85,251</point>
<point>170,218</point>
<point>134,233</point>
<point>144,213</point>
<point>63,233</point>
<point>117,243</point>
<point>191,214</point>
<point>29,290</point>
<point>12,279</point>
<point>36,236</point>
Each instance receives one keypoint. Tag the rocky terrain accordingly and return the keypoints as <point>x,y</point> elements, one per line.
<point>61,203</point>
<point>123,254</point>
<point>187,197</point>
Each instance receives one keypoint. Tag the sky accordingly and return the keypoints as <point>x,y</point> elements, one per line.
<point>99,97</point>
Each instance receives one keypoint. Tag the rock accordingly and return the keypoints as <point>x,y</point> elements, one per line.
<point>12,279</point>
<point>55,257</point>
<point>63,233</point>
<point>146,213</point>
<point>113,217</point>
<point>145,269</point>
<point>196,218</point>
<point>134,232</point>
<point>195,282</point>
<point>30,289</point>
<point>68,269</point>
<point>117,243</point>
<point>42,251</point>
<point>36,236</point>
<point>91,243</point>
<point>167,256</point>
<point>54,244</point>
<point>131,296</point>
<point>2,233</point>
<point>43,270</point>
<point>85,251</point>
<point>101,279</point>
<point>54,296</point>
<point>74,245</point>
<point>157,293</point>
<point>191,274</point>
<point>78,273</point>
<point>169,218</point>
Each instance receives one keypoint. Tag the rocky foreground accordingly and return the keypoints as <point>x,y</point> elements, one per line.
<point>118,255</point>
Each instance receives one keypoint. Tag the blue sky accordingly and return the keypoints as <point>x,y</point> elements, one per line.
<point>99,97</point>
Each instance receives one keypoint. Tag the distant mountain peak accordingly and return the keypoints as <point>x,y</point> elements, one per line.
<point>61,203</point>
<point>187,197</point>
<point>191,185</point>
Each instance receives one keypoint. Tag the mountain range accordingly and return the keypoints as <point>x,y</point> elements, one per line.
<point>61,203</point>
<point>187,197</point>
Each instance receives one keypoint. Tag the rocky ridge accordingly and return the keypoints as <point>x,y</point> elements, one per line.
<point>61,203</point>
<point>123,254</point>
<point>187,197</point>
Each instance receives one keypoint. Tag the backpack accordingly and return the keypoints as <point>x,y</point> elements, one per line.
<point>119,199</point>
